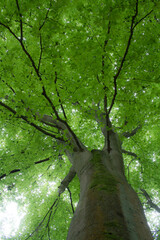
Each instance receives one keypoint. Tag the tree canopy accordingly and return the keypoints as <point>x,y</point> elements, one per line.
<point>71,61</point>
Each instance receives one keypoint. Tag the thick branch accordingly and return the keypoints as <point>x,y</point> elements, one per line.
<point>149,201</point>
<point>107,140</point>
<point>66,180</point>
<point>63,125</point>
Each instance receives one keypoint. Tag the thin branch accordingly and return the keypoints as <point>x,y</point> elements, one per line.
<point>9,86</point>
<point>25,23</point>
<point>18,170</point>
<point>39,225</point>
<point>31,123</point>
<point>48,224</point>
<point>4,25</point>
<point>56,207</point>
<point>130,153</point>
<point>55,81</point>
<point>41,51</point>
<point>35,68</point>
<point>142,18</point>
<point>124,57</point>
<point>21,24</point>
<point>132,133</point>
<point>70,195</point>
<point>13,171</point>
<point>149,200</point>
<point>44,21</point>
<point>43,160</point>
<point>104,48</point>
<point>44,94</point>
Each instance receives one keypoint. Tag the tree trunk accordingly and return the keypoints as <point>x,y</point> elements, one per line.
<point>108,207</point>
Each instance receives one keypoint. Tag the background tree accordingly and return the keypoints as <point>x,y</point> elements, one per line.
<point>69,69</point>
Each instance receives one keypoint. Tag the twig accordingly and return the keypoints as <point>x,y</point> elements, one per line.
<point>9,86</point>
<point>45,17</point>
<point>21,24</point>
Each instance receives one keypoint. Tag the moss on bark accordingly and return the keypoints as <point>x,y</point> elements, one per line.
<point>102,179</point>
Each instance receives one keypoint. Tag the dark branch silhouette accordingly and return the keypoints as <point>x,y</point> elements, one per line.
<point>130,153</point>
<point>124,57</point>
<point>31,123</point>
<point>41,51</point>
<point>132,133</point>
<point>21,23</point>
<point>58,95</point>
<point>39,225</point>
<point>19,170</point>
<point>70,195</point>
<point>44,21</point>
<point>149,200</point>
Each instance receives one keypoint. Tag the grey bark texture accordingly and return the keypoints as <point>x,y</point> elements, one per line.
<point>108,207</point>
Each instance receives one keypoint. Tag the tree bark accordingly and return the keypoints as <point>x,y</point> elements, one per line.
<point>108,207</point>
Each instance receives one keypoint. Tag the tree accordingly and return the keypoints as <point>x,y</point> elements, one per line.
<point>79,87</point>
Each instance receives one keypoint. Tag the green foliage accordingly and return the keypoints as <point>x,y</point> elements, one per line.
<point>67,38</point>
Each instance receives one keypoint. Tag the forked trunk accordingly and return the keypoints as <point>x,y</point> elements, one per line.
<point>108,207</point>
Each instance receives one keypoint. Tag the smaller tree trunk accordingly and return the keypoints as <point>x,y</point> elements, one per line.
<point>108,207</point>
